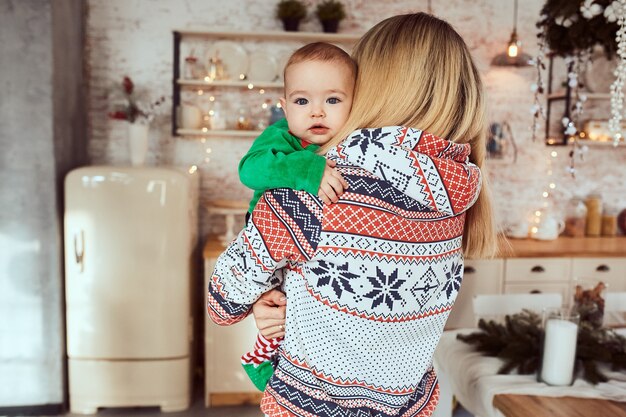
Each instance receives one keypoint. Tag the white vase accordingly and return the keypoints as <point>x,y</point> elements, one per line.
<point>138,142</point>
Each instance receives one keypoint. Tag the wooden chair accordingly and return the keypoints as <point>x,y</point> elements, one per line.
<point>615,309</point>
<point>496,306</point>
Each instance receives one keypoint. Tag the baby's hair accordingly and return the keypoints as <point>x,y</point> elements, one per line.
<point>322,51</point>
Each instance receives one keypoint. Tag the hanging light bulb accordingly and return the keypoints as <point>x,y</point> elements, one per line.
<point>513,56</point>
<point>514,45</point>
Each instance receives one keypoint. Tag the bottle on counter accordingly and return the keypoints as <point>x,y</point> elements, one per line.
<point>609,221</point>
<point>594,214</point>
<point>575,218</point>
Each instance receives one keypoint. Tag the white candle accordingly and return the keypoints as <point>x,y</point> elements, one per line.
<point>559,352</point>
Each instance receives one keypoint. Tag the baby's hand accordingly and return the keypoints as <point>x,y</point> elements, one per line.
<point>332,184</point>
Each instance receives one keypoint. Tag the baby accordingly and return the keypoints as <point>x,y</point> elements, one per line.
<point>319,85</point>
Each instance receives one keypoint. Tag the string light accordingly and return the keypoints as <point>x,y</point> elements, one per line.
<point>614,12</point>
<point>538,89</point>
<point>617,88</point>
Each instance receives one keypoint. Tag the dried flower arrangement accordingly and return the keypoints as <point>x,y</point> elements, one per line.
<point>130,108</point>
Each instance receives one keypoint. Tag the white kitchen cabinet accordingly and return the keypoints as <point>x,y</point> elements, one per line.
<point>524,271</point>
<point>531,275</point>
<point>538,275</point>
<point>539,288</point>
<point>537,270</point>
<point>480,277</point>
<point>611,271</point>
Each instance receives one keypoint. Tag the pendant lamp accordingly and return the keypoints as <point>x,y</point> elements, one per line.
<point>513,57</point>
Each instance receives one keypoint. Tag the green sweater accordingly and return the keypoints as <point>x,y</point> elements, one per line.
<point>277,159</point>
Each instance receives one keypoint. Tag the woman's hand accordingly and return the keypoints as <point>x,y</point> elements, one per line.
<point>269,314</point>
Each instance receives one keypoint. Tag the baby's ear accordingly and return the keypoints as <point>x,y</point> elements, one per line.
<point>283,105</point>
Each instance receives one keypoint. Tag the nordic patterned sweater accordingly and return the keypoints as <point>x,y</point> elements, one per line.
<point>370,280</point>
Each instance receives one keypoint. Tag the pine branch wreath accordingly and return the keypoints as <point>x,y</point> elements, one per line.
<point>518,343</point>
<point>567,32</point>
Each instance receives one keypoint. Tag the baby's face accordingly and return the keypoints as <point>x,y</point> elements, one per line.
<point>318,99</point>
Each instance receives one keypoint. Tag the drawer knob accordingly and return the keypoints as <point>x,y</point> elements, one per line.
<point>535,291</point>
<point>469,270</point>
<point>537,269</point>
<point>603,268</point>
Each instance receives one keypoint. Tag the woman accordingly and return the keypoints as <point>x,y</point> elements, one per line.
<point>371,279</point>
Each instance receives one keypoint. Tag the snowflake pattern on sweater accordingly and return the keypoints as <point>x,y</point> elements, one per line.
<point>370,280</point>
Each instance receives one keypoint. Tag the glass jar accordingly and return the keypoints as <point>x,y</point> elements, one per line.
<point>594,215</point>
<point>243,120</point>
<point>609,221</point>
<point>217,117</point>
<point>192,69</point>
<point>575,218</point>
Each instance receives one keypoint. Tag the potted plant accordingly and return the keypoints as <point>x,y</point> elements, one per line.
<point>291,12</point>
<point>330,13</point>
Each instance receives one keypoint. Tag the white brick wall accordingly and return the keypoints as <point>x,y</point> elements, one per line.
<point>134,38</point>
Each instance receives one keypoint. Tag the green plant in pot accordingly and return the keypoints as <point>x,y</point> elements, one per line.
<point>330,13</point>
<point>291,12</point>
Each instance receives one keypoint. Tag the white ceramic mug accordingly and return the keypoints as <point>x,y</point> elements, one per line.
<point>549,229</point>
<point>190,116</point>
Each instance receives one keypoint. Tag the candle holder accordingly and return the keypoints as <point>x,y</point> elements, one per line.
<point>558,354</point>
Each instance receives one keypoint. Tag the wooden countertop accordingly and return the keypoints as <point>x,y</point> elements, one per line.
<point>530,405</point>
<point>565,247</point>
<point>212,248</point>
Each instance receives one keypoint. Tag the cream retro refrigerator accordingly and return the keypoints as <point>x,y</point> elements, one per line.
<point>129,238</point>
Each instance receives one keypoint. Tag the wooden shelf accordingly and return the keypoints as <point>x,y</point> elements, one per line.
<point>199,84</point>
<point>219,133</point>
<point>272,35</point>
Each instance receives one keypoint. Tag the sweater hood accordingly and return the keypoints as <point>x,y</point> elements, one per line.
<point>434,171</point>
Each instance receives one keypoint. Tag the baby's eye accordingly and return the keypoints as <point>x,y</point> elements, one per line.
<point>301,101</point>
<point>333,100</point>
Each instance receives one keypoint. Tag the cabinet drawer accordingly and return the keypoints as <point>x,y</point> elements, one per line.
<point>485,275</point>
<point>609,270</point>
<point>543,288</point>
<point>479,277</point>
<point>537,269</point>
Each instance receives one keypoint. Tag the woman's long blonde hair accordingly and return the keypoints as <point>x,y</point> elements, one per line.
<point>415,70</point>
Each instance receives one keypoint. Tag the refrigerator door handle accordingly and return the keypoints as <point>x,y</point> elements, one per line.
<point>79,256</point>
